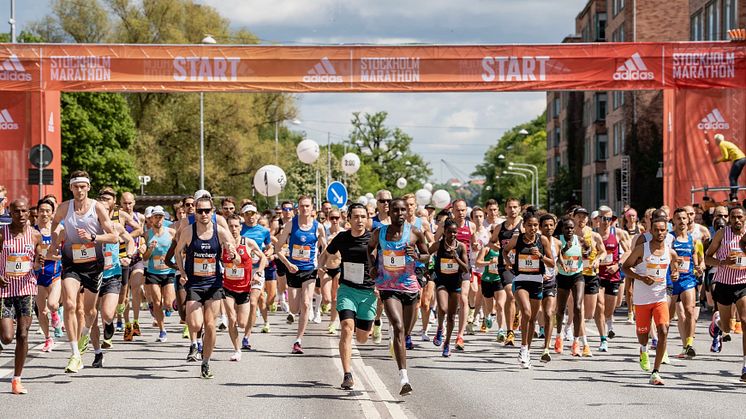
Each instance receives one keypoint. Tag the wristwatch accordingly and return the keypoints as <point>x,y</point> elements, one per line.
<point>93,237</point>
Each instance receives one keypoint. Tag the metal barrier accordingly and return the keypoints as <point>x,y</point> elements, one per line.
<point>706,189</point>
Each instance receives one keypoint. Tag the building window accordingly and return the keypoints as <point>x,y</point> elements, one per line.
<point>600,19</point>
<point>600,99</point>
<point>549,167</point>
<point>623,139</point>
<point>696,27</point>
<point>615,138</point>
<point>618,184</point>
<point>602,147</point>
<point>711,14</point>
<point>557,136</point>
<point>587,192</point>
<point>729,16</point>
<point>602,189</point>
<point>587,151</point>
<point>617,6</point>
<point>556,111</point>
<point>557,164</point>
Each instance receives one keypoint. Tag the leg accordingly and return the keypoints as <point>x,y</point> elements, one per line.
<point>247,316</point>
<point>335,286</point>
<point>500,298</point>
<point>441,294</point>
<point>71,287</point>
<point>452,303</point>
<point>394,312</point>
<point>464,307</point>
<point>741,308</point>
<point>230,311</point>
<point>43,315</point>
<point>562,296</point>
<point>305,298</point>
<point>24,323</point>
<point>155,292</point>
<point>427,295</point>
<point>548,305</point>
<point>195,318</point>
<point>524,305</point>
<point>136,281</point>
<point>271,288</point>
<point>578,298</point>
<point>212,307</point>
<point>509,307</point>
<point>345,344</point>
<point>599,314</point>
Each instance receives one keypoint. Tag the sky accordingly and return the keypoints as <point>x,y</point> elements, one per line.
<point>456,126</point>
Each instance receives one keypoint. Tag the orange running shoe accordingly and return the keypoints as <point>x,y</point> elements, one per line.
<point>128,333</point>
<point>738,329</point>
<point>587,351</point>
<point>558,344</point>
<point>17,387</point>
<point>575,348</point>
<point>460,343</point>
<point>136,329</point>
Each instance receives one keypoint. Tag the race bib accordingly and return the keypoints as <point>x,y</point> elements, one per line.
<point>493,269</point>
<point>204,266</point>
<point>159,262</point>
<point>17,265</point>
<point>234,272</point>
<point>528,263</point>
<point>740,258</point>
<point>586,263</point>
<point>394,260</point>
<point>84,252</point>
<point>301,253</point>
<point>511,256</point>
<point>657,271</point>
<point>108,261</point>
<point>43,249</point>
<point>448,266</point>
<point>354,272</point>
<point>685,263</point>
<point>570,263</point>
<point>608,260</point>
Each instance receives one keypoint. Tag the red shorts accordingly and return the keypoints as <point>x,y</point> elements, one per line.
<point>477,276</point>
<point>657,312</point>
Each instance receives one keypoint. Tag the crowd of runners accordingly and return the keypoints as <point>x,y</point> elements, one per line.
<point>89,267</point>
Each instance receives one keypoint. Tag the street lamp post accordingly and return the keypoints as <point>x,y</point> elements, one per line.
<point>534,180</point>
<point>523,175</point>
<point>536,174</point>
<point>208,39</point>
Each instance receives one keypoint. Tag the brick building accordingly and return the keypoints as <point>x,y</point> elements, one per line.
<point>618,141</point>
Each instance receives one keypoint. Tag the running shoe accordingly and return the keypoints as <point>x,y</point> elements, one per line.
<point>48,345</point>
<point>726,337</point>
<point>665,359</point>
<point>654,344</point>
<point>128,333</point>
<point>470,328</point>
<point>470,316</point>
<point>290,318</point>
<point>446,350</point>
<point>460,343</point>
<point>109,331</point>
<point>541,332</point>
<point>55,319</point>
<point>273,308</point>
<point>438,339</point>
<point>510,338</point>
<point>185,332</point>
<point>193,353</point>
<point>317,317</point>
<point>545,357</point>
<point>558,346</point>
<point>655,379</point>
<point>406,388</point>
<point>236,356</point>
<point>604,347</point>
<point>377,334</point>
<point>524,360</point>
<point>347,381</point>
<point>516,323</point>
<point>575,348</point>
<point>500,336</point>
<point>168,312</point>
<point>612,335</point>
<point>265,328</point>
<point>408,343</point>
<point>425,337</point>
<point>199,346</point>
<point>16,387</point>
<point>83,344</point>
<point>136,329</point>
<point>245,344</point>
<point>120,326</point>
<point>326,308</point>
<point>587,351</point>
<point>630,318</point>
<point>332,329</point>
<point>743,374</point>
<point>162,336</point>
<point>690,352</point>
<point>297,349</point>
<point>74,364</point>
<point>567,332</point>
<point>738,329</point>
<point>106,344</point>
<point>206,372</point>
<point>714,329</point>
<point>98,360</point>
<point>644,361</point>
<point>682,354</point>
<point>489,321</point>
<point>717,344</point>
<point>483,327</point>
<point>58,332</point>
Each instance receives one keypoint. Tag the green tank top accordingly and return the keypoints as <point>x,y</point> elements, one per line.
<point>491,273</point>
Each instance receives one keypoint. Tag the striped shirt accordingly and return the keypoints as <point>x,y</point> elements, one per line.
<point>731,274</point>
<point>17,262</point>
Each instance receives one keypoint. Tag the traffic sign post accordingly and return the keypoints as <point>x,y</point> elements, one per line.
<point>336,193</point>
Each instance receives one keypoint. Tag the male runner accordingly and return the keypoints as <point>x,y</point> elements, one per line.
<point>392,252</point>
<point>427,289</point>
<point>330,267</point>
<point>501,236</point>
<point>201,275</point>
<point>260,235</point>
<point>356,299</point>
<point>286,216</point>
<point>616,243</point>
<point>651,262</point>
<point>727,252</point>
<point>19,245</point>
<point>87,227</point>
<point>48,274</point>
<point>684,290</point>
<point>304,237</point>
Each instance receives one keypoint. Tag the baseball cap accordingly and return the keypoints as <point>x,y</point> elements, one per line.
<point>594,214</point>
<point>580,210</point>
<point>149,212</point>
<point>430,206</point>
<point>202,194</point>
<point>158,210</point>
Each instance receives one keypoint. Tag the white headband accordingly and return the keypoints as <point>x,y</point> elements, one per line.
<point>248,207</point>
<point>80,180</point>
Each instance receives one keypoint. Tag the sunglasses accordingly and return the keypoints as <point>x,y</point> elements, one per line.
<point>607,219</point>
<point>287,209</point>
<point>334,218</point>
<point>384,201</point>
<point>229,208</point>
<point>204,210</point>
<point>189,204</point>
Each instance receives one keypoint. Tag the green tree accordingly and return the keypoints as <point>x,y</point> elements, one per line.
<point>518,148</point>
<point>562,193</point>
<point>386,152</point>
<point>96,134</point>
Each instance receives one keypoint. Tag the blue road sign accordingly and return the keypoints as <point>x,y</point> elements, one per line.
<point>336,193</point>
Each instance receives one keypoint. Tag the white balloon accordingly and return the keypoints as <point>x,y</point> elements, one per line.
<point>401,183</point>
<point>428,186</point>
<point>369,196</point>
<point>423,196</point>
<point>308,151</point>
<point>350,163</point>
<point>269,180</point>
<point>363,200</point>
<point>441,198</point>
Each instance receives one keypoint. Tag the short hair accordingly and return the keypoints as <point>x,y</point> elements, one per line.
<point>381,192</point>
<point>204,199</point>
<point>46,201</point>
<point>234,216</point>
<point>547,217</point>
<point>491,201</point>
<point>325,202</point>
<point>529,215</point>
<point>286,203</point>
<point>512,199</point>
<point>659,213</point>
<point>108,190</point>
<point>407,197</point>
<point>605,208</point>
<point>177,206</point>
<point>679,209</point>
<point>477,208</point>
<point>733,208</point>
<point>357,206</point>
<point>228,199</point>
<point>79,173</point>
<point>302,197</point>
<point>184,199</point>
<point>457,200</point>
<point>659,220</point>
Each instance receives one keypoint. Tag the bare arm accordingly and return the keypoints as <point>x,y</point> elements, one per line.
<point>54,247</point>
<point>547,244</point>
<point>373,253</point>
<point>282,239</point>
<point>227,241</point>
<point>254,249</point>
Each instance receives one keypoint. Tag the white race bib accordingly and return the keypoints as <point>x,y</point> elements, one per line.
<point>684,263</point>
<point>528,263</point>
<point>204,266</point>
<point>570,263</point>
<point>234,272</point>
<point>108,261</point>
<point>608,260</point>
<point>301,253</point>
<point>354,272</point>
<point>394,260</point>
<point>159,262</point>
<point>84,252</point>
<point>17,265</point>
<point>493,269</point>
<point>740,258</point>
<point>657,271</point>
<point>448,266</point>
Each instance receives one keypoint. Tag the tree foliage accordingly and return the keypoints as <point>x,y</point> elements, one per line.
<point>518,148</point>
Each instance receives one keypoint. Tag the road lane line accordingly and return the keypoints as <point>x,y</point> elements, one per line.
<point>32,353</point>
<point>369,409</point>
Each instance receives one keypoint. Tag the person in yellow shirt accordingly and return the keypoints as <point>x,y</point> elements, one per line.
<point>731,152</point>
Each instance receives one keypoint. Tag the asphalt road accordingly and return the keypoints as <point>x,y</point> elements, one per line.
<point>147,378</point>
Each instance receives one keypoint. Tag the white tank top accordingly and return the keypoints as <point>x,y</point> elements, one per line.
<point>656,267</point>
<point>78,250</point>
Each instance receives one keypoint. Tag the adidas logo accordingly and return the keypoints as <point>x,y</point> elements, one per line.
<point>6,121</point>
<point>12,69</point>
<point>634,69</point>
<point>714,120</point>
<point>323,72</point>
